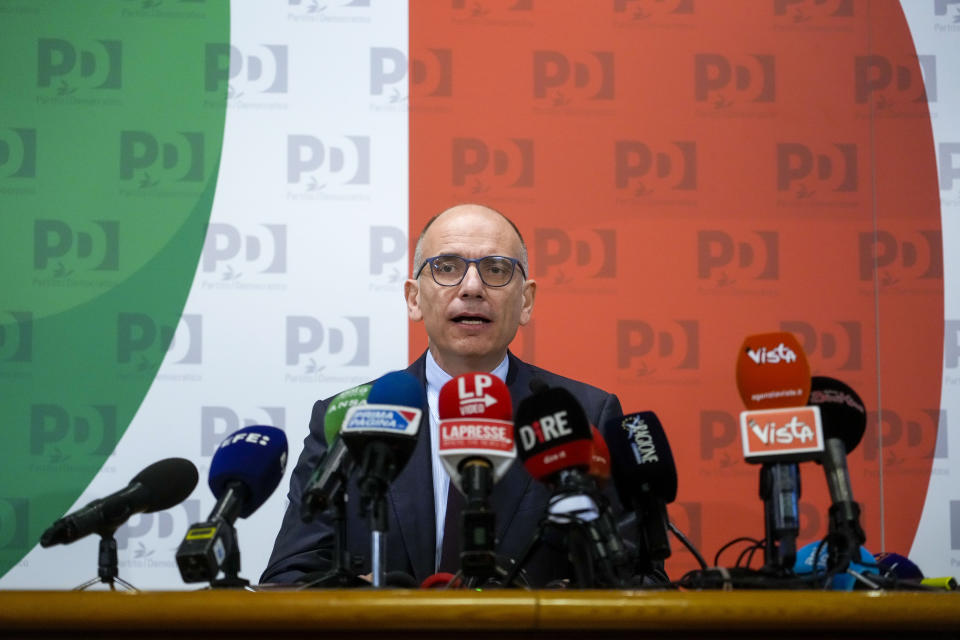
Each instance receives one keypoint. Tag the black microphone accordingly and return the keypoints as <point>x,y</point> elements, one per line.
<point>645,476</point>
<point>555,442</point>
<point>160,486</point>
<point>245,469</point>
<point>844,422</point>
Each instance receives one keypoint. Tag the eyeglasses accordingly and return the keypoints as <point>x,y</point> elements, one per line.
<point>449,271</point>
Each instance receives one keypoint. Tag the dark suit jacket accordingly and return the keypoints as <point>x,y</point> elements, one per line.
<point>517,499</point>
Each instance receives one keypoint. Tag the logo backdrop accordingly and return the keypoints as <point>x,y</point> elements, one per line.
<point>209,214</point>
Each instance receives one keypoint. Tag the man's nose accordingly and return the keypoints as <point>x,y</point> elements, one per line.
<point>471,284</point>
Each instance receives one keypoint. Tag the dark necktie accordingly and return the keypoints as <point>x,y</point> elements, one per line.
<point>450,551</point>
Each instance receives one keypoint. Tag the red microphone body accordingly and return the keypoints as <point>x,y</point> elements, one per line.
<point>476,448</point>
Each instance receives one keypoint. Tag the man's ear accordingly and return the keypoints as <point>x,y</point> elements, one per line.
<point>529,293</point>
<point>411,293</point>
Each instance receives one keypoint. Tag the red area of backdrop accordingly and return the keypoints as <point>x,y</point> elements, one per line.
<point>688,173</point>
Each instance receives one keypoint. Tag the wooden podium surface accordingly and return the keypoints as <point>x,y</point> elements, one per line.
<point>498,614</point>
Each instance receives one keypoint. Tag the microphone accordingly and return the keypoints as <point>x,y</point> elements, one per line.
<point>863,570</point>
<point>844,422</point>
<point>645,476</point>
<point>476,447</point>
<point>160,486</point>
<point>381,436</point>
<point>335,467</point>
<point>245,469</point>
<point>773,377</point>
<point>555,443</point>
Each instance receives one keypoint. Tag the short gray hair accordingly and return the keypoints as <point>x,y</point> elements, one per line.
<point>418,251</point>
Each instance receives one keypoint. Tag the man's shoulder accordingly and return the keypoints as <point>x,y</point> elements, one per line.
<point>527,373</point>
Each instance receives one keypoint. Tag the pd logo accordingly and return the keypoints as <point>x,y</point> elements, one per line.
<point>16,336</point>
<point>840,348</point>
<point>569,255</point>
<point>507,165</point>
<point>940,7</point>
<point>560,78</point>
<point>95,248</point>
<point>432,75</point>
<point>833,168</point>
<point>140,336</point>
<point>724,82</point>
<point>804,10</point>
<point>721,257</point>
<point>388,248</point>
<point>264,250</point>
<point>340,342</point>
<point>951,344</point>
<point>322,163</point>
<point>719,431</point>
<point>14,520</point>
<point>641,345</point>
<point>162,528</point>
<point>897,82</point>
<point>216,423</point>
<point>646,170</point>
<point>94,65</point>
<point>949,164</point>
<point>57,433</point>
<point>18,153</point>
<point>916,430</point>
<point>177,158</point>
<point>920,256</point>
<point>265,70</point>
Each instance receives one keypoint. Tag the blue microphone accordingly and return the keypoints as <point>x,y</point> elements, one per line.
<point>246,468</point>
<point>381,436</point>
<point>857,572</point>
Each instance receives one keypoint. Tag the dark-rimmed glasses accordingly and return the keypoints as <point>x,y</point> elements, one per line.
<point>449,271</point>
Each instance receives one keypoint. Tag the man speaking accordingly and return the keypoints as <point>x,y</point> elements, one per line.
<point>471,291</point>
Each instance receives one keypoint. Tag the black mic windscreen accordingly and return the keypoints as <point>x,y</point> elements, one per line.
<point>552,433</point>
<point>842,411</point>
<point>641,457</point>
<point>169,482</point>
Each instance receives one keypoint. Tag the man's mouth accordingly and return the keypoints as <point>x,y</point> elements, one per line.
<point>470,320</point>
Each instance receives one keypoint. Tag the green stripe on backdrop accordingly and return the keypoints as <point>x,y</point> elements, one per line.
<point>111,124</point>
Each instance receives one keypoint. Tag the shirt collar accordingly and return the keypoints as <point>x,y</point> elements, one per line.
<point>437,377</point>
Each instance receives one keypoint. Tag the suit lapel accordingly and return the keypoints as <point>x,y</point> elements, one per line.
<point>508,493</point>
<point>411,494</point>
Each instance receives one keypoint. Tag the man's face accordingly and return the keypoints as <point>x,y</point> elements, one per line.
<point>470,324</point>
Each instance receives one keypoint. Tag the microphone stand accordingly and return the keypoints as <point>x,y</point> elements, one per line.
<point>780,490</point>
<point>378,540</point>
<point>107,570</point>
<point>586,549</point>
<point>340,574</point>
